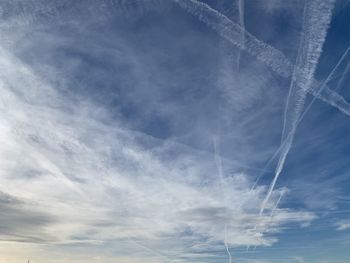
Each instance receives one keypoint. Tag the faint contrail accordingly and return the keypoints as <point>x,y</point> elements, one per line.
<point>226,246</point>
<point>317,16</point>
<point>271,215</point>
<point>241,22</point>
<point>340,82</point>
<point>220,23</point>
<point>270,56</point>
<point>277,203</point>
<point>324,84</point>
<point>152,250</point>
<point>218,160</point>
<point>27,12</point>
<point>233,32</point>
<point>329,77</point>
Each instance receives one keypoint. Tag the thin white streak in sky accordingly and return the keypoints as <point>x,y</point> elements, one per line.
<point>241,22</point>
<point>226,246</point>
<point>218,160</point>
<point>324,84</point>
<point>317,16</point>
<point>329,77</point>
<point>270,56</point>
<point>151,250</point>
<point>344,75</point>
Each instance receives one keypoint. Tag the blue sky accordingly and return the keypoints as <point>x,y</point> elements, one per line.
<point>174,131</point>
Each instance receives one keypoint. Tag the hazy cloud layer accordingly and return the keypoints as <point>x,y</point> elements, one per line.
<point>132,132</point>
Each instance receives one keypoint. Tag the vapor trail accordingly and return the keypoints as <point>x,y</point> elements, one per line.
<point>226,246</point>
<point>271,215</point>
<point>277,203</point>
<point>317,16</point>
<point>346,72</point>
<point>241,22</point>
<point>151,250</point>
<point>329,77</point>
<point>218,160</point>
<point>324,84</point>
<point>14,97</point>
<point>270,56</point>
<point>24,13</point>
<point>233,32</point>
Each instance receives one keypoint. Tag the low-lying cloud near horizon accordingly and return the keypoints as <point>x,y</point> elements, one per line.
<point>130,131</point>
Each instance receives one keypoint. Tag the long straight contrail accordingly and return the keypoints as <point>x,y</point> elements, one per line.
<point>241,22</point>
<point>229,30</point>
<point>317,16</point>
<point>269,55</point>
<point>233,32</point>
<point>341,81</point>
<point>329,77</point>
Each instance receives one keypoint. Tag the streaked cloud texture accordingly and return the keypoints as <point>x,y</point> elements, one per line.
<point>144,131</point>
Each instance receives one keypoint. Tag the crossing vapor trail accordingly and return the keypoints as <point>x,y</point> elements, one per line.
<point>324,83</point>
<point>317,16</point>
<point>270,56</point>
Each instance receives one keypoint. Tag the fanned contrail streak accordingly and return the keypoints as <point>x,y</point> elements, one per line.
<point>269,55</point>
<point>317,16</point>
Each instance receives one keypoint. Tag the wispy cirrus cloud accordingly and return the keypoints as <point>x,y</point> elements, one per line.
<point>107,128</point>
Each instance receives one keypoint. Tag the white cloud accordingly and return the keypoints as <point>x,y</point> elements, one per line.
<point>343,225</point>
<point>82,180</point>
<point>100,182</point>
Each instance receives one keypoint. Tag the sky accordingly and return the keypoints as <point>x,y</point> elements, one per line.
<point>174,131</point>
